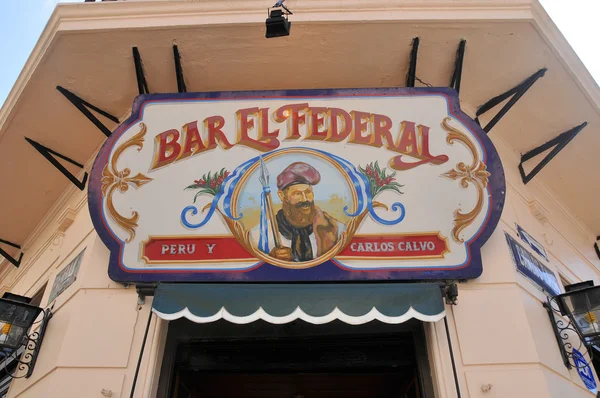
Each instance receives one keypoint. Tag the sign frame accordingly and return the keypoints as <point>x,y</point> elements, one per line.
<point>330,270</point>
<point>514,246</point>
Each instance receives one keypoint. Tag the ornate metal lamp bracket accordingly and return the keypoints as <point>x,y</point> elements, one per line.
<point>144,290</point>
<point>561,330</point>
<point>31,345</point>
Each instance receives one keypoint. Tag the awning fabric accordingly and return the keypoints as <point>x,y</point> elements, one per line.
<point>354,304</point>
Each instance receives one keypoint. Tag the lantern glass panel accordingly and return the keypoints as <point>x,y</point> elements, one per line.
<point>587,323</point>
<point>584,305</point>
<point>7,311</point>
<point>24,316</point>
<point>13,338</point>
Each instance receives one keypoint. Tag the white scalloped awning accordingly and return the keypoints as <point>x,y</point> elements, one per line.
<point>353,304</point>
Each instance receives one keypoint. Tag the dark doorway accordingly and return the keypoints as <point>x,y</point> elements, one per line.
<point>298,385</point>
<point>295,361</point>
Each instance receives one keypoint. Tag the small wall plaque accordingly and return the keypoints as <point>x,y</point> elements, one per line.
<point>66,277</point>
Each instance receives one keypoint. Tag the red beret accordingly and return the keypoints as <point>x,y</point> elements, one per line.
<point>298,173</point>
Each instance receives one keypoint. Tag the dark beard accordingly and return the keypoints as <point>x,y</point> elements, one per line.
<point>295,213</point>
<point>299,237</point>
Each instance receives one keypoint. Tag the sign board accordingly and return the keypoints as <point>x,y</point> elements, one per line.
<point>531,242</point>
<point>584,370</point>
<point>532,268</point>
<point>359,184</point>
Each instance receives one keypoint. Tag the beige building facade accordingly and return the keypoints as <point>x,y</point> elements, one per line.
<point>502,341</point>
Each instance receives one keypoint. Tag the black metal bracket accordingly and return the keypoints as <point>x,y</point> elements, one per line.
<point>561,332</point>
<point>139,72</point>
<point>458,66</point>
<point>51,155</point>
<point>84,107</point>
<point>412,67</point>
<point>516,93</point>
<point>11,259</point>
<point>144,290</point>
<point>280,4</point>
<point>29,350</point>
<point>181,87</point>
<point>450,293</point>
<point>559,142</point>
<point>596,246</point>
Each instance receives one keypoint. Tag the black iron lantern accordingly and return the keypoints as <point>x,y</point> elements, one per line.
<point>15,320</point>
<point>16,344</point>
<point>278,24</point>
<point>581,304</point>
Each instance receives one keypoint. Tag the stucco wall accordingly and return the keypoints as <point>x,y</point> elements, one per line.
<point>93,340</point>
<point>500,332</point>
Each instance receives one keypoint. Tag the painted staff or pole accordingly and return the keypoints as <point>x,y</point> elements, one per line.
<point>267,210</point>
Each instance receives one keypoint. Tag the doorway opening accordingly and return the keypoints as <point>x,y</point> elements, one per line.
<point>296,360</point>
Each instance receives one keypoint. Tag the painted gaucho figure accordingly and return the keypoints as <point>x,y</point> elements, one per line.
<point>304,230</point>
<point>307,213</point>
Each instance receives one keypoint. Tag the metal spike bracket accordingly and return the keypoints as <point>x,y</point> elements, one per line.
<point>558,142</point>
<point>516,93</point>
<point>84,107</point>
<point>51,156</point>
<point>412,68</point>
<point>11,259</point>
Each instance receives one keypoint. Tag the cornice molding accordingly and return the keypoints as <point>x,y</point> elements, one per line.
<point>538,210</point>
<point>80,17</point>
<point>62,214</point>
<point>566,55</point>
<point>129,9</point>
<point>33,61</point>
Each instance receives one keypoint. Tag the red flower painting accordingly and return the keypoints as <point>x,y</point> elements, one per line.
<point>379,179</point>
<point>209,183</point>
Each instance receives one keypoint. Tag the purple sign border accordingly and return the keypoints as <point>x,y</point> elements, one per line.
<point>330,270</point>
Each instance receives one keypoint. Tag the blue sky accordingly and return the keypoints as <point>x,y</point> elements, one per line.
<point>22,22</point>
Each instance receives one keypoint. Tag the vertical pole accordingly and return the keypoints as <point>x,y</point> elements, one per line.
<point>137,369</point>
<point>139,72</point>
<point>458,65</point>
<point>273,217</point>
<point>178,70</point>
<point>412,67</point>
<point>452,358</point>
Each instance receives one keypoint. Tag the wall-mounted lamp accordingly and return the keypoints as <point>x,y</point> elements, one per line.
<point>16,318</point>
<point>277,23</point>
<point>581,305</point>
